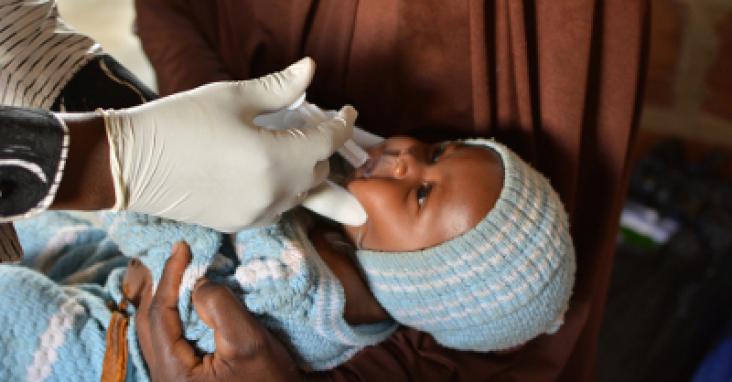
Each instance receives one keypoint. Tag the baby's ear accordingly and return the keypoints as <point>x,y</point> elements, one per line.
<point>336,203</point>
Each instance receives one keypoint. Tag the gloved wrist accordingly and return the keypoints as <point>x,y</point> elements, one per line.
<point>112,126</point>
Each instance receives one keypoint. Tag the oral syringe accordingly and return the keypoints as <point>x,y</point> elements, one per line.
<point>329,199</point>
<point>350,151</point>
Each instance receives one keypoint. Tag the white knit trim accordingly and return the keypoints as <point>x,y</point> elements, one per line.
<point>329,312</point>
<point>61,239</point>
<point>320,307</point>
<point>468,309</point>
<point>52,340</point>
<point>190,276</point>
<point>501,296</point>
<point>254,271</point>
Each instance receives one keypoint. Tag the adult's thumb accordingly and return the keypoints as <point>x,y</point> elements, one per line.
<point>278,90</point>
<point>236,332</point>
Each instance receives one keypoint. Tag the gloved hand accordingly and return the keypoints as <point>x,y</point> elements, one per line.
<point>198,157</point>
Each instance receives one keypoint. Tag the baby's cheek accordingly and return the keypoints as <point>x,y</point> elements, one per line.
<point>384,204</point>
<point>364,191</point>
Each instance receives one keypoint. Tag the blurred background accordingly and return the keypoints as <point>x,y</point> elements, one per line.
<point>111,23</point>
<point>669,309</point>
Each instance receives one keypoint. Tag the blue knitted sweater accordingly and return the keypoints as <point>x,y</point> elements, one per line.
<point>54,332</point>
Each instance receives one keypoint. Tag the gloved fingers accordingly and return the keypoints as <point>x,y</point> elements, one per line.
<point>163,313</point>
<point>237,332</point>
<point>323,140</point>
<point>278,90</point>
<point>335,202</point>
<point>320,172</point>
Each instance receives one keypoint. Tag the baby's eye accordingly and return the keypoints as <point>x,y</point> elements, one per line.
<point>437,151</point>
<point>422,192</point>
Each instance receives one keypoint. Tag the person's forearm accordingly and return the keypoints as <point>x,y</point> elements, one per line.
<point>87,181</point>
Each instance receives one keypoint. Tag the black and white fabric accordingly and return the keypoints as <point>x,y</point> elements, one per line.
<point>31,162</point>
<point>33,149</point>
<point>39,53</point>
<point>45,64</point>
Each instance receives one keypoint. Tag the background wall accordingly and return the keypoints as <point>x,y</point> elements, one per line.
<point>110,22</point>
<point>689,92</point>
<point>689,83</point>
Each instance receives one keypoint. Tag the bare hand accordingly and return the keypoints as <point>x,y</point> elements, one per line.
<point>244,349</point>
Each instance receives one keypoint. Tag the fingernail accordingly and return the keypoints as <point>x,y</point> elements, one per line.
<point>177,247</point>
<point>340,119</point>
<point>302,64</point>
<point>348,113</point>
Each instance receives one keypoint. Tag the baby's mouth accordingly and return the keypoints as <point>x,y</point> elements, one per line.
<point>367,169</point>
<point>377,164</point>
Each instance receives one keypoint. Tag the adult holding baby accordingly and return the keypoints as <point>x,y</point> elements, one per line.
<point>559,82</point>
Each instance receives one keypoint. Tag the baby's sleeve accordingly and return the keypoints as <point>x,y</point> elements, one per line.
<point>296,296</point>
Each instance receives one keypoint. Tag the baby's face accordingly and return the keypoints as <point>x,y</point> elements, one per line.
<point>419,195</point>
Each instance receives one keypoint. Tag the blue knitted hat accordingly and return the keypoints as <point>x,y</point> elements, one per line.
<point>498,285</point>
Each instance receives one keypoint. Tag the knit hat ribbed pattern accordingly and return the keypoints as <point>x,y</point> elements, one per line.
<point>498,285</point>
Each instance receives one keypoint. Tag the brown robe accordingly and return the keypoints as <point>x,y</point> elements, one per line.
<point>557,80</point>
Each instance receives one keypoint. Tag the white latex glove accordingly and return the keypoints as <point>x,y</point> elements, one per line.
<point>198,157</point>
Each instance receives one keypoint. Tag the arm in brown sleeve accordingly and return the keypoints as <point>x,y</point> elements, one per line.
<point>409,355</point>
<point>181,55</point>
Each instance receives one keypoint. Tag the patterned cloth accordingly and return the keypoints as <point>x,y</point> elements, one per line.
<point>275,270</point>
<point>39,53</point>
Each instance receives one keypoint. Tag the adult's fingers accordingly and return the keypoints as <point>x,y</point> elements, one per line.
<point>238,334</point>
<point>164,320</point>
<point>243,345</point>
<point>335,202</point>
<point>144,333</point>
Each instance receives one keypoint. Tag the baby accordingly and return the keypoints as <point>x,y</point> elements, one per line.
<point>464,241</point>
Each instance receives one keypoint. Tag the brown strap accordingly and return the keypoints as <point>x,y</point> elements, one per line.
<point>114,368</point>
<point>10,250</point>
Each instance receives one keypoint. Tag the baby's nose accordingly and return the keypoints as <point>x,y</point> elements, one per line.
<point>399,167</point>
<point>392,166</point>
